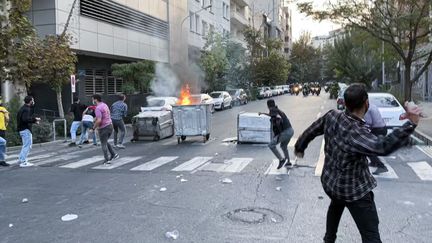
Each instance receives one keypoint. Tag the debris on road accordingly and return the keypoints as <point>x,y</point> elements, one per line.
<point>10,225</point>
<point>69,217</point>
<point>163,189</point>
<point>25,200</point>
<point>179,176</point>
<point>216,154</point>
<point>273,220</point>
<point>172,235</point>
<point>278,188</point>
<point>183,180</point>
<point>226,181</point>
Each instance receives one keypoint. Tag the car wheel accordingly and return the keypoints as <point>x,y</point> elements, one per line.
<point>222,107</point>
<point>213,109</point>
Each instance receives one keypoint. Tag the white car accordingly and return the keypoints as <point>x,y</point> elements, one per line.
<point>285,89</point>
<point>222,99</point>
<point>390,109</point>
<point>203,99</point>
<point>264,92</point>
<point>160,104</point>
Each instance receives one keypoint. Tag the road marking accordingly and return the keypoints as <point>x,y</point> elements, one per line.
<point>83,162</point>
<point>234,165</point>
<point>292,142</point>
<point>320,164</point>
<point>390,174</point>
<point>170,142</point>
<point>154,164</point>
<point>319,115</point>
<point>38,157</point>
<point>192,164</point>
<point>426,150</point>
<point>422,169</point>
<point>57,158</point>
<point>272,170</point>
<point>117,163</point>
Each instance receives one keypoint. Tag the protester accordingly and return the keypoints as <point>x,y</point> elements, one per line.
<point>4,119</point>
<point>25,121</point>
<point>104,126</point>
<point>118,111</point>
<point>282,130</point>
<point>88,124</point>
<point>377,125</point>
<point>346,177</point>
<point>77,109</point>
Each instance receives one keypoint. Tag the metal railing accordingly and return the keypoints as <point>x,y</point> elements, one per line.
<point>64,126</point>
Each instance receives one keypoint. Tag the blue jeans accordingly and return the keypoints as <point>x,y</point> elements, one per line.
<point>27,141</point>
<point>283,138</point>
<point>74,128</point>
<point>2,149</point>
<point>87,125</point>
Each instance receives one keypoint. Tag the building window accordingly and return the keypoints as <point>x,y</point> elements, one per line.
<point>197,21</point>
<point>223,9</point>
<point>203,3</point>
<point>204,29</point>
<point>114,85</point>
<point>94,81</point>
<point>212,29</point>
<point>211,6</point>
<point>227,11</point>
<point>191,21</point>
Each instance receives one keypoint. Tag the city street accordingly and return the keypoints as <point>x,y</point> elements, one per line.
<point>159,187</point>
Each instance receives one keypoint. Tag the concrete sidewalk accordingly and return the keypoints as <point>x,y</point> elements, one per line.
<point>424,130</point>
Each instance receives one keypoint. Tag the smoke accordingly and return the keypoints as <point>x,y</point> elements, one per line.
<point>169,79</point>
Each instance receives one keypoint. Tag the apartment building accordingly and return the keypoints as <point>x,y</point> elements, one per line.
<point>241,18</point>
<point>286,23</point>
<point>206,16</point>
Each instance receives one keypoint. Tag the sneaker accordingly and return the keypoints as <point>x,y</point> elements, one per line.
<point>281,163</point>
<point>107,162</point>
<point>288,164</point>
<point>86,142</point>
<point>72,144</point>
<point>116,156</point>
<point>121,146</point>
<point>26,164</point>
<point>380,170</point>
<point>3,163</point>
<point>95,144</point>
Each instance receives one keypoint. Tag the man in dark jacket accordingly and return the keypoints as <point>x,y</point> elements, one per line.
<point>25,122</point>
<point>346,177</point>
<point>77,109</point>
<point>282,131</point>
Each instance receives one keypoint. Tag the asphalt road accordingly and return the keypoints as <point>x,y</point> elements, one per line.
<point>124,202</point>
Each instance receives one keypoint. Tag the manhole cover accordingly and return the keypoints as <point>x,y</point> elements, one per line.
<point>254,215</point>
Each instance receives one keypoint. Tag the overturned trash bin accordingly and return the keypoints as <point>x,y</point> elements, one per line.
<point>155,125</point>
<point>192,120</point>
<point>253,128</point>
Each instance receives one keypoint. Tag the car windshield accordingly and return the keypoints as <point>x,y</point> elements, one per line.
<point>232,92</point>
<point>155,102</point>
<point>384,101</point>
<point>216,95</point>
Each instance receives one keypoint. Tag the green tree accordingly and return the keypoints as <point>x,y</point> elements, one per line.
<point>272,70</point>
<point>214,61</point>
<point>238,71</point>
<point>305,60</point>
<point>136,76</point>
<point>403,24</point>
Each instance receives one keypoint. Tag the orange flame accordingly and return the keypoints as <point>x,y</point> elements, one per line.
<point>185,97</point>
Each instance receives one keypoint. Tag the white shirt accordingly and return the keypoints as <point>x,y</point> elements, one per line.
<point>88,118</point>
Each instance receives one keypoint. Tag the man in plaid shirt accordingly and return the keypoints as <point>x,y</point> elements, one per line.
<point>346,177</point>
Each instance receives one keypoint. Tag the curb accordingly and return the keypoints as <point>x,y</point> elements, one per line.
<point>423,137</point>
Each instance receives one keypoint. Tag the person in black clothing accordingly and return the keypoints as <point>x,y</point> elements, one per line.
<point>346,178</point>
<point>25,122</point>
<point>282,131</point>
<point>77,109</point>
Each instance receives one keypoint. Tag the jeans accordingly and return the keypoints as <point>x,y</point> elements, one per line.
<point>104,135</point>
<point>364,214</point>
<point>27,142</point>
<point>73,130</point>
<point>119,125</point>
<point>87,125</point>
<point>382,131</point>
<point>283,138</point>
<point>2,149</point>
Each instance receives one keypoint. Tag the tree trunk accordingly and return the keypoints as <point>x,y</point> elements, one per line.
<point>60,104</point>
<point>407,83</point>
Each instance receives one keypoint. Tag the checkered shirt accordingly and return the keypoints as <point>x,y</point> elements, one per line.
<point>348,142</point>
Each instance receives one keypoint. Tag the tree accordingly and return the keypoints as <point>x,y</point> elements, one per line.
<point>272,70</point>
<point>136,76</point>
<point>403,24</point>
<point>214,61</point>
<point>305,60</point>
<point>238,72</point>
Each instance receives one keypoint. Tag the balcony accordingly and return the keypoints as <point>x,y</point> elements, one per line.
<point>238,19</point>
<point>242,3</point>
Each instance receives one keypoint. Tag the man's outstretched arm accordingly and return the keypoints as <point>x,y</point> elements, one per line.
<point>315,130</point>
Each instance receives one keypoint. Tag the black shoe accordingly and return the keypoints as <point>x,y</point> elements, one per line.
<point>281,163</point>
<point>107,162</point>
<point>116,156</point>
<point>2,163</point>
<point>288,164</point>
<point>380,170</point>
<point>86,142</point>
<point>72,144</point>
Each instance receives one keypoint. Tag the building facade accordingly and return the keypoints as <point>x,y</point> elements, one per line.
<point>241,18</point>
<point>286,23</point>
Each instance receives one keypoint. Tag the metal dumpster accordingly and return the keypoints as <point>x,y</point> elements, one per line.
<point>253,128</point>
<point>192,120</point>
<point>153,124</point>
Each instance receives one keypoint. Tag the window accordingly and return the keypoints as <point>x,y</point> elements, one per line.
<point>204,28</point>
<point>286,50</point>
<point>114,85</point>
<point>212,29</point>
<point>94,81</point>
<point>203,3</point>
<point>211,6</point>
<point>191,21</point>
<point>223,9</point>
<point>197,21</point>
<point>227,11</point>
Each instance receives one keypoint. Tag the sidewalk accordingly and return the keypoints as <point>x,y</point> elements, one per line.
<point>424,130</point>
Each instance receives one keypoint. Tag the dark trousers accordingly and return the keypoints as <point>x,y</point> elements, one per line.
<point>375,161</point>
<point>104,135</point>
<point>364,214</point>
<point>3,134</point>
<point>119,126</point>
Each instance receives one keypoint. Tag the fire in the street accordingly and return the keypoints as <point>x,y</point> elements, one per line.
<point>185,97</point>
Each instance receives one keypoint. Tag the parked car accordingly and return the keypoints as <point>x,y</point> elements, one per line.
<point>264,92</point>
<point>286,89</point>
<point>222,99</point>
<point>239,96</point>
<point>276,91</point>
<point>389,107</point>
<point>203,99</point>
<point>160,104</point>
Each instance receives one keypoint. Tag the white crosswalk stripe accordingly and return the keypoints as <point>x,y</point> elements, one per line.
<point>390,174</point>
<point>272,170</point>
<point>33,158</point>
<point>117,163</point>
<point>422,169</point>
<point>234,165</point>
<point>156,163</point>
<point>192,164</point>
<point>83,162</point>
<point>57,158</point>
